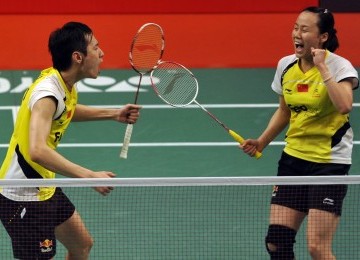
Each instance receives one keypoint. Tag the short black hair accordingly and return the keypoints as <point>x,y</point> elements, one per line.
<point>73,36</point>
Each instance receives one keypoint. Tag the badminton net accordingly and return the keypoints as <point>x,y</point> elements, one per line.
<point>189,218</point>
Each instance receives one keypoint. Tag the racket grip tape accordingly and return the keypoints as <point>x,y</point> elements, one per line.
<point>126,143</point>
<point>241,140</point>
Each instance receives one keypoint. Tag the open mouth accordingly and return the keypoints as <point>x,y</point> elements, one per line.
<point>299,46</point>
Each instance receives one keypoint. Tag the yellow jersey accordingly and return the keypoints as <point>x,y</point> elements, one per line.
<point>317,132</point>
<point>17,163</point>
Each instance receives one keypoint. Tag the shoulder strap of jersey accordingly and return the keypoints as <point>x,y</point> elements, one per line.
<point>286,69</point>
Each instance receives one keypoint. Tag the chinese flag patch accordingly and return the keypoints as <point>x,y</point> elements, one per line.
<point>302,87</point>
<point>68,114</point>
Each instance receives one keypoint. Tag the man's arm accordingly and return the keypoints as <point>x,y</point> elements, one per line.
<point>127,114</point>
<point>41,153</point>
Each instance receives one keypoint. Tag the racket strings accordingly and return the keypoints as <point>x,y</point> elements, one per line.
<point>175,84</point>
<point>147,48</point>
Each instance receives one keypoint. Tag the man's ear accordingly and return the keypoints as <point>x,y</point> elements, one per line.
<point>77,57</point>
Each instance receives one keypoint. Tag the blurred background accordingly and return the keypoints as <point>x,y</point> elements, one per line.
<point>201,33</point>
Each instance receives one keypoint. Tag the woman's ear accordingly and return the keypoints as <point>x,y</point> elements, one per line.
<point>324,37</point>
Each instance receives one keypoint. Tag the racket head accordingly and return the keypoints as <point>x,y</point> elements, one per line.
<point>174,84</point>
<point>147,48</point>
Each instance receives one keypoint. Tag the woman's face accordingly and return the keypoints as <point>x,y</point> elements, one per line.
<point>306,34</point>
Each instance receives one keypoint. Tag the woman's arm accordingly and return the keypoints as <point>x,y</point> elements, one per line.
<point>340,93</point>
<point>276,125</point>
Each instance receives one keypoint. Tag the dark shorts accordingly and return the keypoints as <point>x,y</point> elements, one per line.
<point>31,225</point>
<point>304,197</point>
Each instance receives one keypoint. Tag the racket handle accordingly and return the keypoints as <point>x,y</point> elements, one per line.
<point>127,137</point>
<point>241,140</point>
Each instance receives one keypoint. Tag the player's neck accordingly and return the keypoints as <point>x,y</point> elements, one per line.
<point>68,79</point>
<point>305,65</point>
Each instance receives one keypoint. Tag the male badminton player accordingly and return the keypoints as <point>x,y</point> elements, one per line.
<point>36,218</point>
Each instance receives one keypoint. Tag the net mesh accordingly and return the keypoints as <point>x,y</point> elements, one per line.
<point>147,48</point>
<point>189,218</point>
<point>174,84</point>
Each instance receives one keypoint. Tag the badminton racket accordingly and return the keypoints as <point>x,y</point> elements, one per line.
<point>178,87</point>
<point>145,53</point>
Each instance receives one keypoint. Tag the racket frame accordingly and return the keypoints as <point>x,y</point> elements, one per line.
<point>232,133</point>
<point>154,87</point>
<point>129,128</point>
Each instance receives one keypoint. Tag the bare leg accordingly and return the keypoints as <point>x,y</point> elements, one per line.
<point>75,237</point>
<point>285,216</point>
<point>320,232</point>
